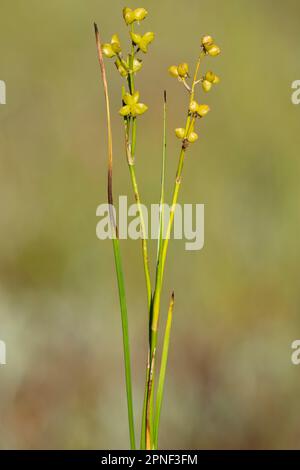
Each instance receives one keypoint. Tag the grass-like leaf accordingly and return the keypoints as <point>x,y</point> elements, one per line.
<point>116,248</point>
<point>162,373</point>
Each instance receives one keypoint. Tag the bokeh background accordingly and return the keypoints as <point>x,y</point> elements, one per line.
<point>230,381</point>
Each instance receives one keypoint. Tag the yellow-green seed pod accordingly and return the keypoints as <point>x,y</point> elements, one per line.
<point>193,137</point>
<point>203,110</point>
<point>128,99</point>
<point>136,97</point>
<point>206,85</point>
<point>138,109</point>
<point>125,110</point>
<point>136,38</point>
<point>210,76</point>
<point>207,41</point>
<point>145,41</point>
<point>137,65</point>
<point>173,70</point>
<point>128,15</point>
<point>115,44</point>
<point>148,37</point>
<point>121,68</point>
<point>140,14</point>
<point>180,133</point>
<point>194,107</point>
<point>108,50</point>
<point>183,70</point>
<point>213,50</point>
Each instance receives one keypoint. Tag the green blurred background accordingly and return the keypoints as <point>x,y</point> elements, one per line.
<point>230,381</point>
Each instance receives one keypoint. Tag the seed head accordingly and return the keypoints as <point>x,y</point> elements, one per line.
<point>132,107</point>
<point>121,68</point>
<point>203,110</point>
<point>180,133</point>
<point>113,48</point>
<point>207,41</point>
<point>198,109</point>
<point>142,41</point>
<point>137,65</point>
<point>213,50</point>
<point>193,137</point>
<point>140,14</point>
<point>194,107</point>
<point>206,85</point>
<point>108,50</point>
<point>183,70</point>
<point>173,70</point>
<point>128,15</point>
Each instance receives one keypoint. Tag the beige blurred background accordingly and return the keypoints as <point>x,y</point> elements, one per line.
<point>230,381</point>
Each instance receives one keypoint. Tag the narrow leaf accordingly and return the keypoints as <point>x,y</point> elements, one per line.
<point>162,373</point>
<point>116,248</point>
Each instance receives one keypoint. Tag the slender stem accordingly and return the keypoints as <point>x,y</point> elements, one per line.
<point>117,254</point>
<point>145,402</point>
<point>159,248</point>
<point>162,260</point>
<point>157,292</point>
<point>162,373</point>
<point>162,194</point>
<point>130,148</point>
<point>178,175</point>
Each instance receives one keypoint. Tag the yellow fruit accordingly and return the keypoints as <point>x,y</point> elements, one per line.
<point>128,16</point>
<point>213,50</point>
<point>203,110</point>
<point>180,133</point>
<point>138,109</point>
<point>173,70</point>
<point>206,85</point>
<point>183,70</point>
<point>207,41</point>
<point>115,44</point>
<point>194,107</point>
<point>193,137</point>
<point>210,76</point>
<point>140,14</point>
<point>108,51</point>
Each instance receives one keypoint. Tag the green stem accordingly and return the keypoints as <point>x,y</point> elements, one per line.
<point>130,148</point>
<point>116,248</point>
<point>131,163</point>
<point>162,194</point>
<point>162,259</point>
<point>159,248</point>
<point>143,428</point>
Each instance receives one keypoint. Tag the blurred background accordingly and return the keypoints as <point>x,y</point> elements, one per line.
<point>230,381</point>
